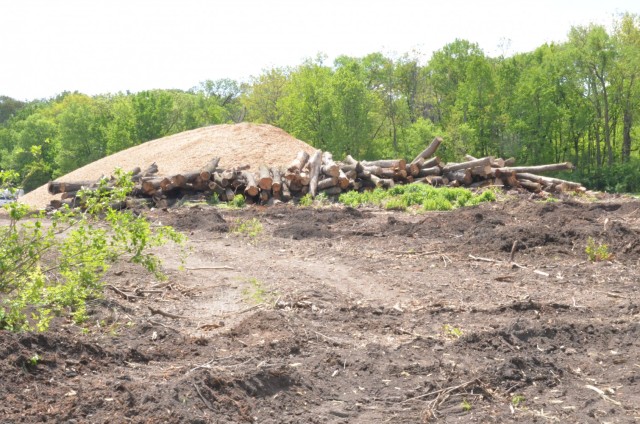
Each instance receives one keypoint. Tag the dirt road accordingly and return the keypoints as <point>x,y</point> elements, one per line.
<point>338,315</point>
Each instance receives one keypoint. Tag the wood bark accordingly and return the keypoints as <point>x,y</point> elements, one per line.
<point>547,181</point>
<point>452,167</point>
<point>265,180</point>
<point>430,150</point>
<point>343,180</point>
<point>315,163</point>
<point>326,183</point>
<point>329,167</point>
<point>299,162</point>
<point>391,163</point>
<point>461,176</point>
<point>276,185</point>
<point>151,170</point>
<point>382,182</point>
<point>57,187</point>
<point>540,168</point>
<point>251,188</point>
<point>209,168</point>
<point>425,172</point>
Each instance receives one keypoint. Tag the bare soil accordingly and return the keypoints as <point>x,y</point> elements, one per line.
<point>339,315</point>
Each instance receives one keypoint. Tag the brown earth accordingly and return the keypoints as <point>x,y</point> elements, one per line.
<point>236,144</point>
<point>339,315</point>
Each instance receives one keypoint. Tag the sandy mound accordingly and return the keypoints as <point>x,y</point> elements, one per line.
<point>235,144</point>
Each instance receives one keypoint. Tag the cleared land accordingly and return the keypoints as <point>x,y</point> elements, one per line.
<point>356,316</point>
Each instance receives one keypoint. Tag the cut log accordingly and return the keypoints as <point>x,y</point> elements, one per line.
<point>371,170</point>
<point>286,192</point>
<point>343,180</point>
<point>276,185</point>
<point>216,188</point>
<point>326,183</point>
<point>414,168</point>
<point>329,167</point>
<point>452,167</point>
<point>265,181</point>
<point>510,162</point>
<point>299,162</point>
<point>151,185</point>
<point>57,187</point>
<point>507,176</point>
<point>530,185</point>
<point>430,163</point>
<point>425,172</point>
<point>547,181</point>
<point>350,164</point>
<point>265,196</point>
<point>209,168</point>
<point>382,182</point>
<point>181,180</point>
<point>430,150</point>
<point>304,178</point>
<point>315,163</point>
<point>461,176</point>
<point>151,170</point>
<point>540,168</point>
<point>251,188</point>
<point>229,194</point>
<point>392,163</point>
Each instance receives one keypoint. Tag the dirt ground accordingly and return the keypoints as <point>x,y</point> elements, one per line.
<point>339,315</point>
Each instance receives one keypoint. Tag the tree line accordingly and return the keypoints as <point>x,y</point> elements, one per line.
<point>577,101</point>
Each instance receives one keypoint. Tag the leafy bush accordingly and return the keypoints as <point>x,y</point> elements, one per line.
<point>238,201</point>
<point>53,266</point>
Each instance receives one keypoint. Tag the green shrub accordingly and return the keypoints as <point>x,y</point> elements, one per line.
<point>597,252</point>
<point>53,266</point>
<point>238,201</point>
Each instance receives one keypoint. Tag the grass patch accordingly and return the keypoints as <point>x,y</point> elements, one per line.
<point>417,196</point>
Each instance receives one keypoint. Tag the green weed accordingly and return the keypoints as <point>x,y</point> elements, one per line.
<point>255,293</point>
<point>451,331</point>
<point>421,196</point>
<point>247,227</point>
<point>517,400</point>
<point>597,252</point>
<point>466,406</point>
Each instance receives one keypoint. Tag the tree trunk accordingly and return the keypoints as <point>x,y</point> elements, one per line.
<point>430,150</point>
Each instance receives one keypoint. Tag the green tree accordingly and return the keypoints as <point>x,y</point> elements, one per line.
<point>80,137</point>
<point>262,96</point>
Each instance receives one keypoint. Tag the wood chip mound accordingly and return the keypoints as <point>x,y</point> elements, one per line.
<point>235,144</point>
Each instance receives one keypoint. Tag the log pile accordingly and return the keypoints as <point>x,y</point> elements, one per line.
<point>319,174</point>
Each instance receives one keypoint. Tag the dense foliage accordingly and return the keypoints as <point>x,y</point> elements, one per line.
<point>53,266</point>
<point>574,101</point>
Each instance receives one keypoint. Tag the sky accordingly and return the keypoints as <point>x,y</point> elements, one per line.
<point>110,46</point>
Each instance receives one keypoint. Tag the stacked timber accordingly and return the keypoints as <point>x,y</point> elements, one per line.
<point>319,174</point>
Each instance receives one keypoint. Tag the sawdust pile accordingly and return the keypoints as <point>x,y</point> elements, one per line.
<point>235,144</point>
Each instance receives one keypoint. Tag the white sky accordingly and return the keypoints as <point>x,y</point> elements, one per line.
<point>107,46</point>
